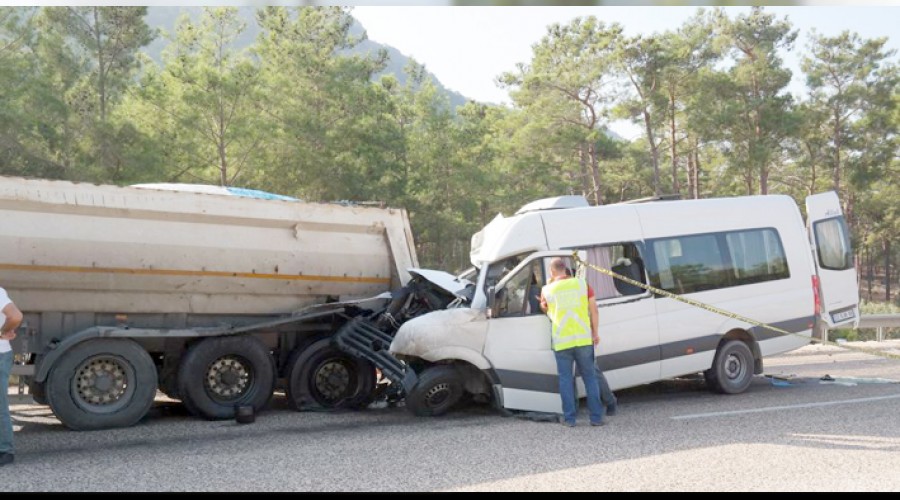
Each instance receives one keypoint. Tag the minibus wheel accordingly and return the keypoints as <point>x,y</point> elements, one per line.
<point>732,369</point>
<point>438,390</point>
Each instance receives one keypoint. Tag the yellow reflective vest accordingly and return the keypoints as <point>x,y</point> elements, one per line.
<point>567,307</point>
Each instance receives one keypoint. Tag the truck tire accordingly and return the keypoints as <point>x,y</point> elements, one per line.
<point>732,369</point>
<point>436,392</point>
<point>219,373</point>
<point>38,392</point>
<point>322,376</point>
<point>102,383</point>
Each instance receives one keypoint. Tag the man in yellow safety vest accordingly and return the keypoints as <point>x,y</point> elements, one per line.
<point>570,304</point>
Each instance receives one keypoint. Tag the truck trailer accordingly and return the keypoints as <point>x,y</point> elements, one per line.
<point>214,299</point>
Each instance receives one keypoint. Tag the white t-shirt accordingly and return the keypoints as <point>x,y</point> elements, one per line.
<point>4,301</point>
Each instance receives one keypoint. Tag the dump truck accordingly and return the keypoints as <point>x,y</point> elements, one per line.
<point>214,298</point>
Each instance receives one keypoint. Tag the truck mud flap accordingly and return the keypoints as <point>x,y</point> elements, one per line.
<point>360,338</point>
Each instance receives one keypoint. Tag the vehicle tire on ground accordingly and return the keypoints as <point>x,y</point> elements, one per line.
<point>38,392</point>
<point>219,373</point>
<point>732,369</point>
<point>438,389</point>
<point>102,383</point>
<point>321,376</point>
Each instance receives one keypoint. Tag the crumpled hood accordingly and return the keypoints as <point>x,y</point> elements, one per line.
<point>439,329</point>
<point>442,279</point>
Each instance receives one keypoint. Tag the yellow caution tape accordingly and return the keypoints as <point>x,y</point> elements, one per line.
<point>727,314</point>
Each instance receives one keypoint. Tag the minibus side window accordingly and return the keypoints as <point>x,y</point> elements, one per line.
<point>700,262</point>
<point>520,295</point>
<point>498,270</point>
<point>622,258</point>
<point>690,263</point>
<point>756,256</point>
<point>833,244</point>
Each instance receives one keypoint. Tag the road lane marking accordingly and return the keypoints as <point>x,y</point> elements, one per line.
<point>779,408</point>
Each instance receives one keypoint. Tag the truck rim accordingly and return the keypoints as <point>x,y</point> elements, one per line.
<point>228,378</point>
<point>333,380</point>
<point>102,384</point>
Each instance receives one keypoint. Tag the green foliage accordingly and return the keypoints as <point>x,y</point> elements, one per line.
<point>853,90</point>
<point>296,113</point>
<point>750,111</point>
<point>322,110</point>
<point>32,111</point>
<point>565,93</point>
<point>98,50</point>
<point>203,101</point>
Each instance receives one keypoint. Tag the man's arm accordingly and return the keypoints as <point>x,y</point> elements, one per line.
<point>595,318</point>
<point>13,320</point>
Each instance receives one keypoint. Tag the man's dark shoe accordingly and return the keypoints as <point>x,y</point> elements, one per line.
<point>612,409</point>
<point>6,458</point>
<point>598,424</point>
<point>567,424</point>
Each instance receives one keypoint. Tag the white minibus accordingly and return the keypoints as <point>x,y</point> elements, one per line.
<point>752,256</point>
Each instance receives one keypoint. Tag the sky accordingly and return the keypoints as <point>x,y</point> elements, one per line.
<point>467,47</point>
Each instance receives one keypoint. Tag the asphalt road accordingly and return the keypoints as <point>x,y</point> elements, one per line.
<point>791,431</point>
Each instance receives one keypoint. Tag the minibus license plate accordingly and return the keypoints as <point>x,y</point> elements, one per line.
<point>843,315</point>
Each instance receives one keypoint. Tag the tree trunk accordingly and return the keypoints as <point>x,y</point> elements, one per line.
<point>101,65</point>
<point>583,161</point>
<point>691,167</point>
<point>220,148</point>
<point>836,174</point>
<point>696,155</point>
<point>764,180</point>
<point>676,187</point>
<point>594,157</point>
<point>849,207</point>
<point>887,270</point>
<point>869,270</point>
<point>654,152</point>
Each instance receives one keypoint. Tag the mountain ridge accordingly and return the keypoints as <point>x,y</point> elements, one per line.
<point>164,18</point>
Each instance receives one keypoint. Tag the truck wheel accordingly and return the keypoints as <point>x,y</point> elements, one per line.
<point>732,369</point>
<point>323,376</point>
<point>438,389</point>
<point>219,373</point>
<point>104,383</point>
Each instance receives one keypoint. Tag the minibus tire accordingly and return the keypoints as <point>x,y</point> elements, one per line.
<point>732,369</point>
<point>438,389</point>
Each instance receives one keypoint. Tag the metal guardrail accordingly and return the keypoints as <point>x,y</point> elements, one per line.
<point>879,322</point>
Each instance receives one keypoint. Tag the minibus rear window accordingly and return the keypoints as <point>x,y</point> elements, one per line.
<point>833,244</point>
